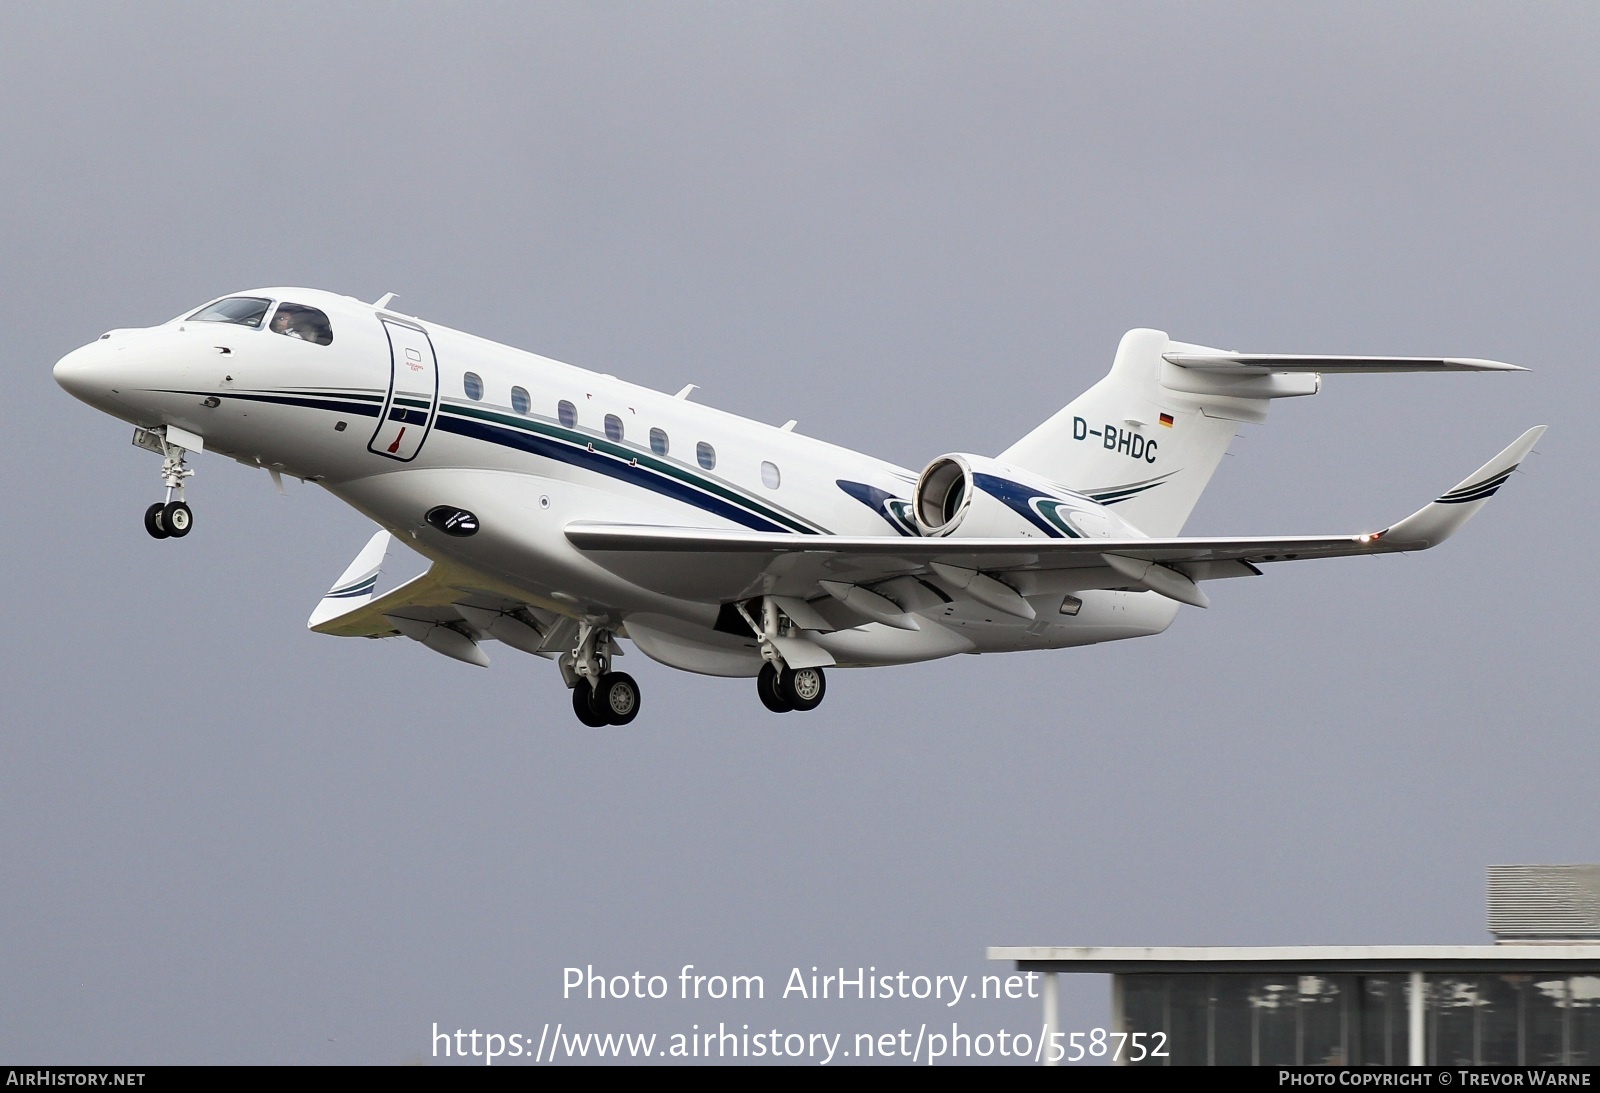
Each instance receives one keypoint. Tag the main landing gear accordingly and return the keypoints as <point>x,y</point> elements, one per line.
<point>599,695</point>
<point>786,689</point>
<point>780,687</point>
<point>614,702</point>
<point>172,518</point>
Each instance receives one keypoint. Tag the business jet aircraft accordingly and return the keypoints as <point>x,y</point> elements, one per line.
<point>562,510</point>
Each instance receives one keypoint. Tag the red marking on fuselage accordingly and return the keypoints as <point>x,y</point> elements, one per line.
<point>395,447</point>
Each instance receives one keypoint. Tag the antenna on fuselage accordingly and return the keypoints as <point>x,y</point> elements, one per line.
<point>383,301</point>
<point>687,388</point>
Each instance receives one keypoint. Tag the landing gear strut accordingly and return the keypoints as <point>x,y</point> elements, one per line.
<point>173,518</point>
<point>599,695</point>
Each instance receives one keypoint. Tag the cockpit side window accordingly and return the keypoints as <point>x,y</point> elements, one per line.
<point>306,323</point>
<point>241,310</point>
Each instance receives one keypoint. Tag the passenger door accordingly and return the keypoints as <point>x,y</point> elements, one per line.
<point>413,400</point>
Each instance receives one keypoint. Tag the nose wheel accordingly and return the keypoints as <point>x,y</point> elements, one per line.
<point>168,521</point>
<point>172,518</point>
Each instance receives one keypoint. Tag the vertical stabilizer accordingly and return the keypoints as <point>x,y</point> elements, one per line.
<point>1148,437</point>
<point>1137,443</point>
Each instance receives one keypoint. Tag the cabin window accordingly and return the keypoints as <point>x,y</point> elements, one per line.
<point>658,441</point>
<point>519,400</point>
<point>613,427</point>
<point>567,413</point>
<point>769,475</point>
<point>306,323</point>
<point>474,385</point>
<point>242,310</point>
<point>706,454</point>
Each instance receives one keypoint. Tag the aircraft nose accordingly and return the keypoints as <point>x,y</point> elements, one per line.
<point>98,373</point>
<point>79,377</point>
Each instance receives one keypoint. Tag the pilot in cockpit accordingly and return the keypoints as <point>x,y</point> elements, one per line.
<point>306,323</point>
<point>283,323</point>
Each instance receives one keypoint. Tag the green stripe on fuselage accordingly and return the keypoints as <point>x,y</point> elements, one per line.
<point>640,458</point>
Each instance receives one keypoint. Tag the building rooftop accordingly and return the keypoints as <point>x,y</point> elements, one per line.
<point>1519,956</point>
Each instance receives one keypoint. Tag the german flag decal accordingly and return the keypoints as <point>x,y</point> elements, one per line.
<point>1166,421</point>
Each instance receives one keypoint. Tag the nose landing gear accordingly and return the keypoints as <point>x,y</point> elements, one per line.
<point>168,521</point>
<point>172,518</point>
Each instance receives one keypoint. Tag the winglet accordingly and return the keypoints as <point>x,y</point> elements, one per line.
<point>1434,523</point>
<point>355,588</point>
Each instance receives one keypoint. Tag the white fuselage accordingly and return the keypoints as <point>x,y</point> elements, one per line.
<point>360,417</point>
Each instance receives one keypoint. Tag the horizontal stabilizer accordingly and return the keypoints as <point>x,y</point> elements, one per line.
<point>1253,364</point>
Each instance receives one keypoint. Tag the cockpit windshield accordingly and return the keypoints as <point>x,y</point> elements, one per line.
<point>306,323</point>
<point>242,310</point>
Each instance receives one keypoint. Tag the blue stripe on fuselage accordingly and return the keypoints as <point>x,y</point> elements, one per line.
<point>577,453</point>
<point>1016,498</point>
<point>584,459</point>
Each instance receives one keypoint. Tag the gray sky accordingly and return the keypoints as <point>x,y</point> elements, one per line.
<point>917,228</point>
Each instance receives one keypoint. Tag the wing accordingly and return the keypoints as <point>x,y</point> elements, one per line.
<point>447,608</point>
<point>724,566</point>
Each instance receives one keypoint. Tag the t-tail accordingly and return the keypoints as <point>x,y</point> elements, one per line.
<point>1148,437</point>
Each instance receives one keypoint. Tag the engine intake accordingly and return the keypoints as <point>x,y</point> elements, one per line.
<point>944,493</point>
<point>972,497</point>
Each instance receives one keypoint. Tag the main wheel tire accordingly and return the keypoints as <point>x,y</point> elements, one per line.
<point>617,700</point>
<point>767,687</point>
<point>803,688</point>
<point>176,519</point>
<point>152,521</point>
<point>583,705</point>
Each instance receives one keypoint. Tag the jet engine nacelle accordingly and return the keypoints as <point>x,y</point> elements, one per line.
<point>974,497</point>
